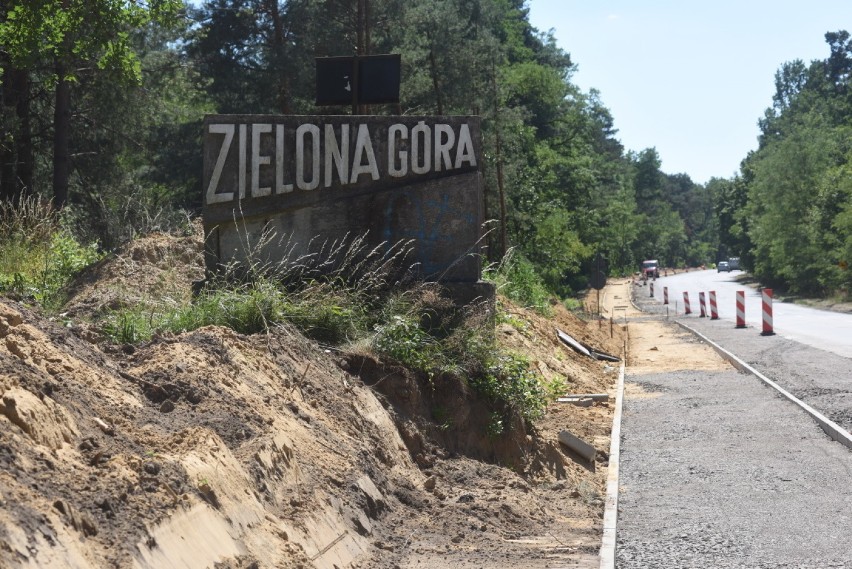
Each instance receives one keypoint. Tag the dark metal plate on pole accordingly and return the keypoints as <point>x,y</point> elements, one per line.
<point>361,80</point>
<point>335,81</point>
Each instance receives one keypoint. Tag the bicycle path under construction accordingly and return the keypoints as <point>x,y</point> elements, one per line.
<point>719,469</point>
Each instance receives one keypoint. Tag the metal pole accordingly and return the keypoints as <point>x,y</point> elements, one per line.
<point>355,84</point>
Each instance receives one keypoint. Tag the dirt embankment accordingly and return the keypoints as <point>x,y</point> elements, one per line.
<point>215,449</point>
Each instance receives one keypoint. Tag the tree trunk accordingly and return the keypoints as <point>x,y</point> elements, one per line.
<point>7,136</point>
<point>61,139</point>
<point>278,63</point>
<point>16,152</point>
<point>504,244</point>
<point>24,142</point>
<point>433,68</point>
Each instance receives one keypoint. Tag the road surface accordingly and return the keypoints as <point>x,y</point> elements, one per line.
<point>831,331</point>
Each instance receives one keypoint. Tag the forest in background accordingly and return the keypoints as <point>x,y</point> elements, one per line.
<point>102,103</point>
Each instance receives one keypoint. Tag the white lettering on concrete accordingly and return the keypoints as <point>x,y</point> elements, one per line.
<point>280,186</point>
<point>395,172</point>
<point>337,155</point>
<point>242,170</point>
<point>228,131</point>
<point>364,146</point>
<point>417,166</point>
<point>325,158</point>
<point>464,151</point>
<point>442,149</point>
<point>301,182</point>
<point>257,160</point>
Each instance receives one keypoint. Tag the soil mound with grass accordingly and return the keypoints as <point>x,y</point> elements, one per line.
<point>216,449</point>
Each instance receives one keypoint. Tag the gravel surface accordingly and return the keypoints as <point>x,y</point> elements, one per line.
<point>821,379</point>
<point>717,470</point>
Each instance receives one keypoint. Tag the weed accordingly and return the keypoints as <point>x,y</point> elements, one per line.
<point>38,255</point>
<point>509,378</point>
<point>442,341</point>
<point>556,387</point>
<point>333,296</point>
<point>516,278</point>
<point>496,426</point>
<point>588,493</point>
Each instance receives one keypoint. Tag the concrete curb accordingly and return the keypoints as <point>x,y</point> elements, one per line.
<point>610,518</point>
<point>832,429</point>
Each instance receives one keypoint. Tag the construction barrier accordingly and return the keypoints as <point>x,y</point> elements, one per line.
<point>741,309</point>
<point>686,309</point>
<point>714,309</point>
<point>767,312</point>
<point>702,305</point>
<point>652,290</point>
<point>665,295</point>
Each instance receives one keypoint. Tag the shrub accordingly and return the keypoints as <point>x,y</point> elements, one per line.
<point>38,255</point>
<point>516,278</point>
<point>435,341</point>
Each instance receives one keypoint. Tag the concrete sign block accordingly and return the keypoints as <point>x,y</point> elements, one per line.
<point>309,181</point>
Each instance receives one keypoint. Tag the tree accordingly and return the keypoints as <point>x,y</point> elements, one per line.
<point>786,213</point>
<point>74,36</point>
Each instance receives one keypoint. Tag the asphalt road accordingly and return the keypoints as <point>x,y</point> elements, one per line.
<point>718,471</point>
<point>831,331</point>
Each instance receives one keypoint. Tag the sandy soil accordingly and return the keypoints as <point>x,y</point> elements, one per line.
<point>216,449</point>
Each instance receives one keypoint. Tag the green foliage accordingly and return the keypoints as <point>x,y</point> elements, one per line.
<point>79,30</point>
<point>467,349</point>
<point>403,340</point>
<point>509,378</point>
<point>787,213</point>
<point>38,256</point>
<point>330,306</point>
<point>517,278</point>
<point>318,310</point>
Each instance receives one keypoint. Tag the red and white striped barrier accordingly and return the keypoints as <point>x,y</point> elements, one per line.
<point>767,312</point>
<point>702,305</point>
<point>741,309</point>
<point>714,309</point>
<point>686,309</point>
<point>652,290</point>
<point>665,295</point>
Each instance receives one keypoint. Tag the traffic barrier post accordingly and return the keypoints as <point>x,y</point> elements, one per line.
<point>686,309</point>
<point>741,309</point>
<point>714,309</point>
<point>767,313</point>
<point>665,295</point>
<point>702,305</point>
<point>652,290</point>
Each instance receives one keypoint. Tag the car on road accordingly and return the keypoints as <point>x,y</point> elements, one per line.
<point>650,269</point>
<point>734,263</point>
<point>723,266</point>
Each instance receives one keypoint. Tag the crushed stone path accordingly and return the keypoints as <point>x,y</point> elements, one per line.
<point>717,470</point>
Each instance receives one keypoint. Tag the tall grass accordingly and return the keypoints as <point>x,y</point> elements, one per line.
<point>39,255</point>
<point>516,278</point>
<point>346,292</point>
<point>332,295</point>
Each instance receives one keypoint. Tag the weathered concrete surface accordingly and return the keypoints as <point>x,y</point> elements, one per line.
<point>283,188</point>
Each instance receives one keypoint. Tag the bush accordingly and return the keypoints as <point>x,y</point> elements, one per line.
<point>439,340</point>
<point>38,255</point>
<point>516,278</point>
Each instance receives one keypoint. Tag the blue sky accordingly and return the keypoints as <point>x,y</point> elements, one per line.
<point>689,78</point>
